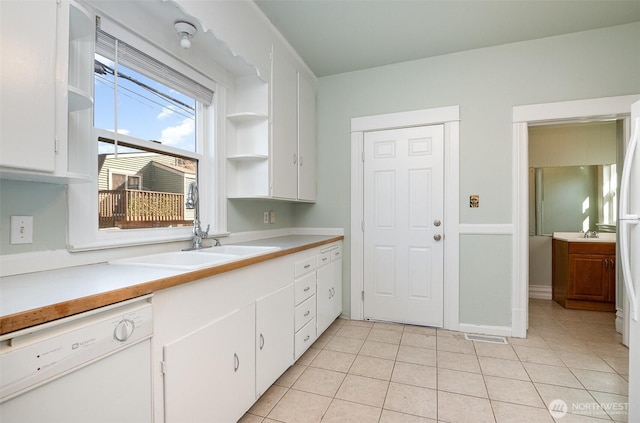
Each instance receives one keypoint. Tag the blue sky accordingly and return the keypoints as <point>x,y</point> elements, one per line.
<point>143,113</point>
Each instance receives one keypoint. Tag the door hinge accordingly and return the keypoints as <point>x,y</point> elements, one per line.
<point>362,295</point>
<point>362,155</point>
<point>163,367</point>
<point>56,145</point>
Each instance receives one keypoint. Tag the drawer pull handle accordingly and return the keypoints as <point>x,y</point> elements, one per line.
<point>261,341</point>
<point>236,362</point>
<point>307,266</point>
<point>307,289</point>
<point>307,313</point>
<point>306,338</point>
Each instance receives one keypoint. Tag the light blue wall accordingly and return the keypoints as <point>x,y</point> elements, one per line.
<point>486,84</point>
<point>47,203</point>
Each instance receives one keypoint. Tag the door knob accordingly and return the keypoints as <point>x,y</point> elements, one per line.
<point>437,237</point>
<point>437,222</point>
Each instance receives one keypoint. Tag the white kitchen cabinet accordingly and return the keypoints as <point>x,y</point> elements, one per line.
<point>28,69</point>
<point>46,91</point>
<point>274,337</point>
<point>304,270</point>
<point>210,372</point>
<point>329,294</point>
<point>306,139</point>
<point>284,142</point>
<point>293,131</point>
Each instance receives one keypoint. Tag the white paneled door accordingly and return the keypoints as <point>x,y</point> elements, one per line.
<point>403,227</point>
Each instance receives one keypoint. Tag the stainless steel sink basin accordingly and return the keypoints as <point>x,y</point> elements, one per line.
<point>181,260</point>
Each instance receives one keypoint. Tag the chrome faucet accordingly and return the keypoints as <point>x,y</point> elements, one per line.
<point>591,234</point>
<point>192,202</point>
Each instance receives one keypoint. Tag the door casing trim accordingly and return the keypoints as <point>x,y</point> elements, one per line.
<point>449,117</point>
<point>548,113</point>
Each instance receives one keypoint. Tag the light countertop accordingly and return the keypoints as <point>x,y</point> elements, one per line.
<point>34,298</point>
<point>579,237</point>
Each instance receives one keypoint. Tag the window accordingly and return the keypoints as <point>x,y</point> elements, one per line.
<point>154,121</point>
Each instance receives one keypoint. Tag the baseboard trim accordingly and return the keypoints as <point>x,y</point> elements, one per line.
<point>540,292</point>
<point>619,320</point>
<point>486,330</point>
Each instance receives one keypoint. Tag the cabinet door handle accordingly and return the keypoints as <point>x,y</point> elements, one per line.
<point>307,266</point>
<point>236,362</point>
<point>307,289</point>
<point>307,313</point>
<point>306,338</point>
<point>330,294</point>
<point>300,161</point>
<point>261,341</point>
<point>606,263</point>
<point>295,158</point>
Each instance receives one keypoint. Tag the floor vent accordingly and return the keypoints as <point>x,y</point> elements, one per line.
<point>486,338</point>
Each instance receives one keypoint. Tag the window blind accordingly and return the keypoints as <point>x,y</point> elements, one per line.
<point>143,63</point>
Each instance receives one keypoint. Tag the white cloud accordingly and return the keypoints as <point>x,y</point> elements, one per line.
<point>174,135</point>
<point>166,112</point>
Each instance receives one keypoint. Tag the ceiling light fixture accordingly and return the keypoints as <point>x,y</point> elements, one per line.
<point>186,31</point>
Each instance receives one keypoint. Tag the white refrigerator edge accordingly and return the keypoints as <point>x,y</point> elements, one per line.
<point>629,238</point>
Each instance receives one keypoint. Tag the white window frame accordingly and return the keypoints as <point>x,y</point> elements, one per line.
<point>83,231</point>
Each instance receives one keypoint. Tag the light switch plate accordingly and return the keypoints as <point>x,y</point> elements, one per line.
<point>21,230</point>
<point>272,216</point>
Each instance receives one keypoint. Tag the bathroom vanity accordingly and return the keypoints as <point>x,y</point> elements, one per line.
<point>584,271</point>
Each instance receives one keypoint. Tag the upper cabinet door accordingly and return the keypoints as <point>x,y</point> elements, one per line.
<point>28,81</point>
<point>306,139</point>
<point>284,143</point>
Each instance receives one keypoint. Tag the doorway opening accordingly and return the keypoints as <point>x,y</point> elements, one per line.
<point>610,108</point>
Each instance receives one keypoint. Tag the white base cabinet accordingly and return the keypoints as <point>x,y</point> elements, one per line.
<point>220,342</point>
<point>210,372</point>
<point>329,287</point>
<point>274,337</point>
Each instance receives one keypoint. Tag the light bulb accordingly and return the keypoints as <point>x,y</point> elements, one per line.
<point>184,42</point>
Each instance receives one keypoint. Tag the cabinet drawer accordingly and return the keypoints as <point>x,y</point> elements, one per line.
<point>304,338</point>
<point>305,312</point>
<point>305,266</point>
<point>336,254</point>
<point>324,257</point>
<point>305,288</point>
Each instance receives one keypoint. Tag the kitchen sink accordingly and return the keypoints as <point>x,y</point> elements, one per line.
<point>197,259</point>
<point>181,260</point>
<point>240,250</point>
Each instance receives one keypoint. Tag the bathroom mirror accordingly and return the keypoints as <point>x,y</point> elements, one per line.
<point>574,198</point>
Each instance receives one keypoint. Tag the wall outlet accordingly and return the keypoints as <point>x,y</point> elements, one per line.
<point>265,217</point>
<point>272,216</point>
<point>21,230</point>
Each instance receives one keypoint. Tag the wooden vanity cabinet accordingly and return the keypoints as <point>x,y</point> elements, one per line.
<point>584,275</point>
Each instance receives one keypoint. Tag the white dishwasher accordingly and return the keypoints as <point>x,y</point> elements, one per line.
<point>92,367</point>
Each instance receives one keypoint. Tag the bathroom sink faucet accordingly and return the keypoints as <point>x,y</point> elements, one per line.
<point>591,234</point>
<point>192,202</point>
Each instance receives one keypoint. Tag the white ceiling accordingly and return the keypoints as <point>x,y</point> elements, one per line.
<point>336,36</point>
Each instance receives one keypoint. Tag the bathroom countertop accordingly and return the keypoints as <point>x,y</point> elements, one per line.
<point>579,237</point>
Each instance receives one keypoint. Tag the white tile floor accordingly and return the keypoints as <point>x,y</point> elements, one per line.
<point>378,372</point>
